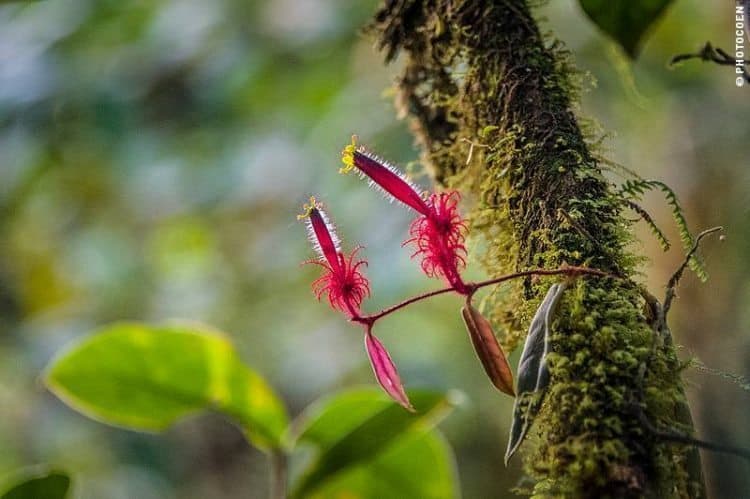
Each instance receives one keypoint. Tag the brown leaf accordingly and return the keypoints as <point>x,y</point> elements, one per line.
<point>488,350</point>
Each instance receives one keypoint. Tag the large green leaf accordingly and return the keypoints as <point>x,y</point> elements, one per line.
<point>626,21</point>
<point>144,378</point>
<point>36,483</point>
<point>419,464</point>
<point>354,428</point>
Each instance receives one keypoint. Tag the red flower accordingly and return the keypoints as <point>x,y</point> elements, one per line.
<point>438,233</point>
<point>346,287</point>
<point>342,281</point>
<point>439,239</point>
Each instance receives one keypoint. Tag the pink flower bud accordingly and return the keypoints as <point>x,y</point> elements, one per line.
<point>385,370</point>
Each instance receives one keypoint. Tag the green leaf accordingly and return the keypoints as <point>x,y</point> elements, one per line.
<point>626,21</point>
<point>353,428</point>
<point>533,373</point>
<point>36,483</point>
<point>419,465</point>
<point>145,378</point>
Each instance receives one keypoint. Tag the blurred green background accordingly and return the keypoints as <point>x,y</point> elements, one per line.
<point>154,154</point>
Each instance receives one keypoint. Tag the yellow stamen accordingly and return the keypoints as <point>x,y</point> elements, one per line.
<point>307,208</point>
<point>347,156</point>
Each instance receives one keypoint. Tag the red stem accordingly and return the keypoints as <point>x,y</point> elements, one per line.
<point>369,320</point>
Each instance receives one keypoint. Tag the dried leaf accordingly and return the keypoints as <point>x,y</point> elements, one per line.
<point>488,350</point>
<point>533,374</point>
<point>385,371</point>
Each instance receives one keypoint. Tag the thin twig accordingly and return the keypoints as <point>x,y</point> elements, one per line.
<point>682,438</point>
<point>713,54</point>
<point>737,379</point>
<point>570,271</point>
<point>472,145</point>
<point>675,279</point>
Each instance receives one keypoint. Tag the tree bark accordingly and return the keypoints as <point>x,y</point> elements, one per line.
<point>491,104</point>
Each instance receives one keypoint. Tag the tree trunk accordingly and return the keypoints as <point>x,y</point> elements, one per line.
<point>491,105</point>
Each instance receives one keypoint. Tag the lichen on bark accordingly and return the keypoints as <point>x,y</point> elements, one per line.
<point>491,104</point>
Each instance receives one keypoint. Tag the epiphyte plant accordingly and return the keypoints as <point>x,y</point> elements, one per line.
<point>438,237</point>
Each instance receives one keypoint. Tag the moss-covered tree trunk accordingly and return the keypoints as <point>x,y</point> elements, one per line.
<point>491,105</point>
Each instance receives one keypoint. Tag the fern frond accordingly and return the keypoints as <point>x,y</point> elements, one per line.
<point>655,230</point>
<point>636,188</point>
<point>618,169</point>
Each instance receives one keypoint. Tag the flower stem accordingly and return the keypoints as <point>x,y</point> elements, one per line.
<point>370,319</point>
<point>473,287</point>
<point>278,465</point>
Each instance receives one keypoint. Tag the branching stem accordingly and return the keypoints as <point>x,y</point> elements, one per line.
<point>715,55</point>
<point>472,288</point>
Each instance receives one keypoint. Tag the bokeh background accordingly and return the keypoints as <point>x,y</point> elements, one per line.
<point>154,154</point>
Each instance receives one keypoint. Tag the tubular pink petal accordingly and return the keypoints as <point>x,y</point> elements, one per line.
<point>383,175</point>
<point>385,371</point>
<point>326,241</point>
<point>321,232</point>
<point>388,178</point>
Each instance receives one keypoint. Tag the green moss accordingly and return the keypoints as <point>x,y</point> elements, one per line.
<point>481,82</point>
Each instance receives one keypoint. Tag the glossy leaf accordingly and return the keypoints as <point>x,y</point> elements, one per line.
<point>533,374</point>
<point>352,429</point>
<point>36,483</point>
<point>385,371</point>
<point>145,378</point>
<point>625,21</point>
<point>488,350</point>
<point>419,465</point>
